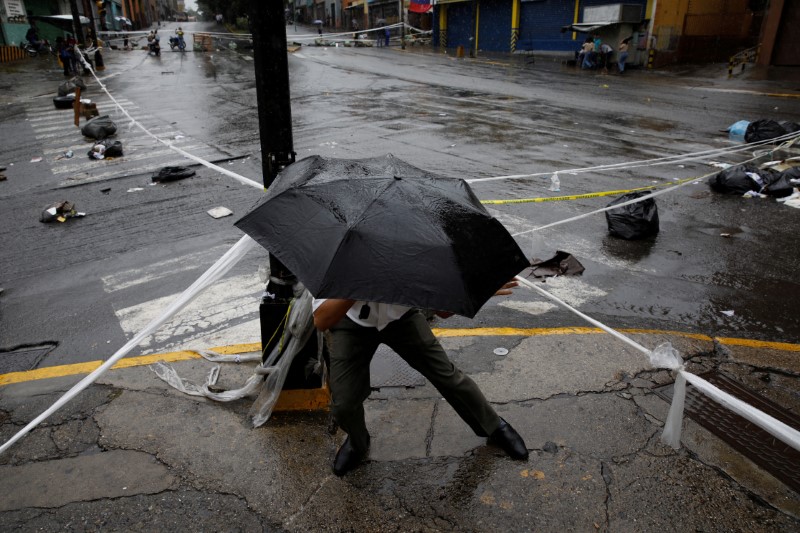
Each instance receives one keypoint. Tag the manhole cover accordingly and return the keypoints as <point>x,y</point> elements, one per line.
<point>771,454</point>
<point>390,370</point>
<point>23,359</point>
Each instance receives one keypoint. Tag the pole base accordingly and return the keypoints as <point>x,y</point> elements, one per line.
<point>318,399</point>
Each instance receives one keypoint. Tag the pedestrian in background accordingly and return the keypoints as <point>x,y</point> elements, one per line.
<point>605,56</point>
<point>586,57</point>
<point>623,54</point>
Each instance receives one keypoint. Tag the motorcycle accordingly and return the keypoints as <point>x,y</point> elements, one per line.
<point>44,47</point>
<point>177,41</point>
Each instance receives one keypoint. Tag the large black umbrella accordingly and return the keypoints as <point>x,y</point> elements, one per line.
<point>382,230</point>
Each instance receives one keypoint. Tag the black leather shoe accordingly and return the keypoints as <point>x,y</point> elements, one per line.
<point>507,438</point>
<point>347,458</point>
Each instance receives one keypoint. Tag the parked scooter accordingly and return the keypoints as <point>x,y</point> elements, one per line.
<point>177,41</point>
<point>33,51</point>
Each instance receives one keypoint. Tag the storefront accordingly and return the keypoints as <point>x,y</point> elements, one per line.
<point>487,24</point>
<point>14,21</point>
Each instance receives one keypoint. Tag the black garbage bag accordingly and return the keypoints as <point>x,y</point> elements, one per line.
<point>634,221</point>
<point>743,178</point>
<point>172,174</point>
<point>734,180</point>
<point>99,128</point>
<point>783,186</point>
<point>64,102</point>
<point>106,148</point>
<point>69,86</point>
<point>766,129</point>
<point>791,173</point>
<point>780,187</point>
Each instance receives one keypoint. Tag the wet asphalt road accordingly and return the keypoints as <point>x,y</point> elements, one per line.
<point>468,118</point>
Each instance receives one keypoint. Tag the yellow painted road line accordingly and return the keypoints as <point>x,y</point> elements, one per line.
<point>512,332</point>
<point>784,346</point>
<point>587,195</point>
<point>536,332</point>
<point>746,91</point>
<point>128,362</point>
<point>171,357</point>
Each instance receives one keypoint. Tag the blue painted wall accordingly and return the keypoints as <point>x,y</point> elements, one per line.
<point>459,25</point>
<point>540,24</point>
<point>494,23</point>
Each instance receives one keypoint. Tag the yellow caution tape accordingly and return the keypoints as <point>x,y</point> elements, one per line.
<point>582,196</point>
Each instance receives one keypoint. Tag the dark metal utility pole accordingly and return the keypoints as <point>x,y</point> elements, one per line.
<point>87,8</point>
<point>402,17</point>
<point>268,26</point>
<point>76,22</point>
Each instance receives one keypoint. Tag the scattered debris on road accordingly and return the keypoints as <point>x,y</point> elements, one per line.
<point>106,149</point>
<point>219,212</point>
<point>561,264</point>
<point>60,212</point>
<point>172,174</point>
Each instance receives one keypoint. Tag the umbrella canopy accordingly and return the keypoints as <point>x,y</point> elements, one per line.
<point>317,21</point>
<point>382,230</point>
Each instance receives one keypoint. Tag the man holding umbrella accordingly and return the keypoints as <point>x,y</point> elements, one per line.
<point>355,331</point>
<point>375,240</point>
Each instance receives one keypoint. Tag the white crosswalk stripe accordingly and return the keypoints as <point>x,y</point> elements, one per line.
<point>56,132</point>
<point>229,302</point>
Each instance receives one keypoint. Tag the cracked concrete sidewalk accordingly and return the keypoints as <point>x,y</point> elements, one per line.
<point>132,454</point>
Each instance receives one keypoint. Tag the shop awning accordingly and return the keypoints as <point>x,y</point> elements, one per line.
<point>587,27</point>
<point>63,22</point>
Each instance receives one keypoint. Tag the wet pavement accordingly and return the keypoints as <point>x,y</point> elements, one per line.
<point>132,454</point>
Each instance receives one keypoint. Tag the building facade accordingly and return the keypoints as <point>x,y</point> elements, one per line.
<point>665,31</point>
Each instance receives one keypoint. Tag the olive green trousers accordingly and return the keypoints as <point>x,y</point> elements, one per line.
<point>351,350</point>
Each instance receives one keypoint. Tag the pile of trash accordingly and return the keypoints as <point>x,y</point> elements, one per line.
<point>106,148</point>
<point>761,130</point>
<point>59,212</point>
<point>747,179</point>
<point>65,99</point>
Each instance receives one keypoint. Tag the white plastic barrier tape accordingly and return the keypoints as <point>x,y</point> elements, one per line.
<point>217,270</point>
<point>635,200</point>
<point>665,356</point>
<point>667,160</point>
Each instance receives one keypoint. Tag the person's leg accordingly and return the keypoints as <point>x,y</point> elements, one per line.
<point>412,339</point>
<point>351,349</point>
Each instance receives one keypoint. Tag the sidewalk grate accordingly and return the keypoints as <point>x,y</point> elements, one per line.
<point>390,370</point>
<point>23,359</point>
<point>779,459</point>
